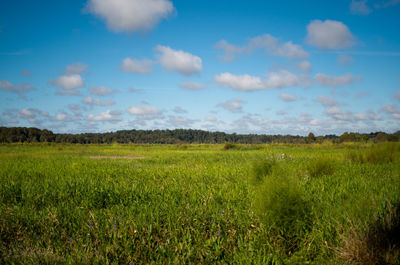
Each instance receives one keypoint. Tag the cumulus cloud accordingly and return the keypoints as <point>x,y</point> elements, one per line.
<point>233,105</point>
<point>392,110</point>
<point>246,82</point>
<point>304,66</point>
<point>192,86</point>
<point>131,15</point>
<point>137,66</point>
<point>20,89</point>
<point>68,83</point>
<point>179,61</point>
<point>326,101</point>
<point>76,68</point>
<point>229,50</point>
<point>97,102</point>
<point>334,81</point>
<point>106,116</point>
<point>360,7</point>
<point>267,42</point>
<point>179,122</point>
<point>287,97</point>
<point>348,116</point>
<point>32,115</point>
<point>329,34</point>
<point>345,60</point>
<point>101,90</point>
<point>145,112</point>
<point>66,118</point>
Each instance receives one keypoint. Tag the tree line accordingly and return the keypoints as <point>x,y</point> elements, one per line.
<point>181,136</point>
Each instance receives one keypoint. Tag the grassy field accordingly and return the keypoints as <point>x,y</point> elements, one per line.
<point>199,204</point>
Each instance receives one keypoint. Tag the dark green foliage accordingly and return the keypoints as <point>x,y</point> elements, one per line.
<point>261,168</point>
<point>228,146</point>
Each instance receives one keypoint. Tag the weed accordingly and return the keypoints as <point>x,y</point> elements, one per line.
<point>322,166</point>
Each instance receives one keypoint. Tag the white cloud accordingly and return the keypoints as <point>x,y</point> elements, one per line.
<point>345,60</point>
<point>233,105</point>
<point>65,117</point>
<point>137,66</point>
<point>229,50</point>
<point>341,116</point>
<point>76,68</point>
<point>334,81</point>
<point>131,15</point>
<point>274,47</point>
<point>97,102</point>
<point>281,112</point>
<point>329,34</point>
<point>360,7</point>
<point>326,101</point>
<point>75,109</point>
<point>246,82</point>
<point>192,86</point>
<point>179,61</point>
<point>143,110</point>
<point>101,90</point>
<point>7,86</point>
<point>179,122</point>
<point>108,115</point>
<point>267,42</point>
<point>392,110</point>
<point>69,82</point>
<point>287,97</point>
<point>304,66</point>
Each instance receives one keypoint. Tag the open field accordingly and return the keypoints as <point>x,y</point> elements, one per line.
<point>182,204</point>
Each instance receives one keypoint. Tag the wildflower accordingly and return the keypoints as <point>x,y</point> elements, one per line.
<point>212,221</point>
<point>219,234</point>
<point>70,240</point>
<point>219,212</point>
<point>115,224</point>
<point>90,225</point>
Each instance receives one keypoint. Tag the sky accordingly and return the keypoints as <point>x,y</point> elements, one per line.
<point>264,67</point>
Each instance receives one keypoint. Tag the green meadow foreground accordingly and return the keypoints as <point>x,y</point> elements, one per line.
<point>199,204</point>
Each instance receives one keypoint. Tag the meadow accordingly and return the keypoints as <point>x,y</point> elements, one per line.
<point>200,204</point>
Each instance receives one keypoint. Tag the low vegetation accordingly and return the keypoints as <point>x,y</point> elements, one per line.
<point>199,204</point>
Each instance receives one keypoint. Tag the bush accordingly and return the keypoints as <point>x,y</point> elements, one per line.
<point>261,168</point>
<point>282,205</point>
<point>228,146</point>
<point>321,167</point>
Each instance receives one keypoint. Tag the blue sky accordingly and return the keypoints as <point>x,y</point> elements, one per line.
<point>272,67</point>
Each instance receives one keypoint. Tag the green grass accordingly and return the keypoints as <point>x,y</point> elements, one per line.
<point>191,204</point>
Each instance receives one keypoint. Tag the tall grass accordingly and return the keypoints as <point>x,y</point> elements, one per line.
<point>199,204</point>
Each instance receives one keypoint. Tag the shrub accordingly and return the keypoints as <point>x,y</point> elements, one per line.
<point>228,146</point>
<point>261,168</point>
<point>282,205</point>
<point>321,167</point>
